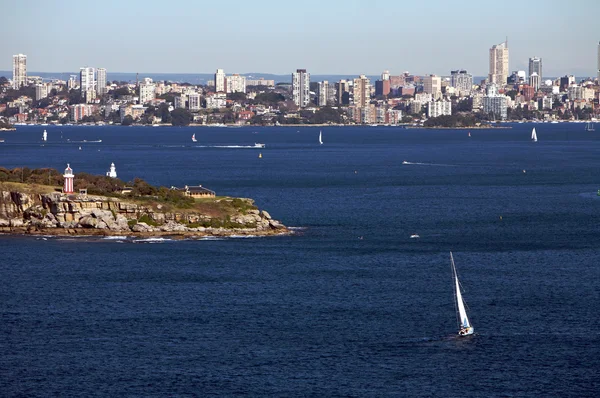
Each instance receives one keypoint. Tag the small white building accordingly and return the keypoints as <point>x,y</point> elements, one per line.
<point>112,173</point>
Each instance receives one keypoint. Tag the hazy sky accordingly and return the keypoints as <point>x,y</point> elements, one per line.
<point>279,36</point>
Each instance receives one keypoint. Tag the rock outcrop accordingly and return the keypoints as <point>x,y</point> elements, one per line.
<point>57,213</point>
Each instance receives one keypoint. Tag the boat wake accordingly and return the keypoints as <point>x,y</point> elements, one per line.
<point>428,164</point>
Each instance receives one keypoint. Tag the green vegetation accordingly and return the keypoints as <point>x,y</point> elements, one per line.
<point>453,121</point>
<point>269,98</point>
<point>181,117</point>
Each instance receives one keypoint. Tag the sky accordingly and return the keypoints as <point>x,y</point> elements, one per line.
<point>347,37</point>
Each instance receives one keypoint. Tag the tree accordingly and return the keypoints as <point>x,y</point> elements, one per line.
<point>75,97</point>
<point>3,80</point>
<point>238,96</point>
<point>180,117</point>
<point>163,112</point>
<point>127,120</point>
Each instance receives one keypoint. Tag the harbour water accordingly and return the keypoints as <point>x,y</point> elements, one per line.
<point>348,306</point>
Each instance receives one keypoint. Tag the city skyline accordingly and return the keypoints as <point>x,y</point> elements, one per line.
<point>278,39</point>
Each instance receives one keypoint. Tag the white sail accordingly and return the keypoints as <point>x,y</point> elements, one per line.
<point>45,136</point>
<point>321,137</point>
<point>194,137</point>
<point>465,325</point>
<point>533,135</point>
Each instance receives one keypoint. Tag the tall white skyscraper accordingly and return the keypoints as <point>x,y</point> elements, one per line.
<point>534,81</point>
<point>235,84</point>
<point>535,66</point>
<point>301,87</point>
<point>101,81</point>
<point>19,71</point>
<point>499,64</point>
<point>220,81</point>
<point>323,93</point>
<point>87,83</point>
<point>147,91</point>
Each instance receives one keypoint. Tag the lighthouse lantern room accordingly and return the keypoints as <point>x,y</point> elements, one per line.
<point>69,176</point>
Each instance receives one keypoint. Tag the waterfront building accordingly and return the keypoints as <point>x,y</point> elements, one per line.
<point>301,87</point>
<point>79,111</point>
<point>361,90</point>
<point>220,81</point>
<point>19,71</point>
<point>535,66</point>
<point>235,84</point>
<point>432,84</point>
<point>534,81</point>
<point>495,103</point>
<point>216,101</point>
<point>462,81</point>
<point>323,93</point>
<point>101,81</point>
<point>499,64</point>
<point>147,91</point>
<point>439,108</point>
<point>69,177</point>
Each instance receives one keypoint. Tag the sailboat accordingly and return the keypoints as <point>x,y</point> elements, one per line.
<point>45,136</point>
<point>194,137</point>
<point>533,135</point>
<point>465,327</point>
<point>320,137</point>
<point>589,126</point>
<point>469,133</point>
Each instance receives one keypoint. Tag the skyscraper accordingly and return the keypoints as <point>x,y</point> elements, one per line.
<point>432,84</point>
<point>301,87</point>
<point>19,71</point>
<point>499,64</point>
<point>323,93</point>
<point>535,66</point>
<point>362,91</point>
<point>462,81</point>
<point>87,83</point>
<point>101,81</point>
<point>220,81</point>
<point>235,84</point>
<point>534,81</point>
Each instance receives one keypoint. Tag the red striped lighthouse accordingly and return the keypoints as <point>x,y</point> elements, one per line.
<point>69,176</point>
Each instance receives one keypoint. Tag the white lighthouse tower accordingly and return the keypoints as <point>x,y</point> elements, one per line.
<point>112,173</point>
<point>69,176</point>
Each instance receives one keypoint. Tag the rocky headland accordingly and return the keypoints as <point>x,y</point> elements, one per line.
<point>26,210</point>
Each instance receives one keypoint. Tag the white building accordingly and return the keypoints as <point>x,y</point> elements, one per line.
<point>112,173</point>
<point>147,91</point>
<point>361,91</point>
<point>439,108</point>
<point>235,84</point>
<point>534,81</point>
<point>101,81</point>
<point>323,93</point>
<point>499,64</point>
<point>462,81</point>
<point>194,102</point>
<point>301,87</point>
<point>19,71</point>
<point>87,83</point>
<point>216,101</point>
<point>41,91</point>
<point>220,81</point>
<point>494,103</point>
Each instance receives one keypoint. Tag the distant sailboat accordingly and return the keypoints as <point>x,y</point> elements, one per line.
<point>469,133</point>
<point>45,136</point>
<point>321,137</point>
<point>465,327</point>
<point>194,137</point>
<point>260,155</point>
<point>533,135</point>
<point>589,126</point>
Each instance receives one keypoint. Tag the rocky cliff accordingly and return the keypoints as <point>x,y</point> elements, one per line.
<point>58,214</point>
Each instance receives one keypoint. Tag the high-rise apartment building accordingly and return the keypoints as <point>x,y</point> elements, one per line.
<point>535,66</point>
<point>598,61</point>
<point>41,91</point>
<point>147,91</point>
<point>323,93</point>
<point>361,91</point>
<point>462,81</point>
<point>101,81</point>
<point>385,75</point>
<point>301,87</point>
<point>342,90</point>
<point>220,81</point>
<point>87,83</point>
<point>494,103</point>
<point>432,84</point>
<point>499,64</point>
<point>19,71</point>
<point>235,84</point>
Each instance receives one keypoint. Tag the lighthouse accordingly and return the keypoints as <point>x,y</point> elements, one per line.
<point>69,176</point>
<point>112,173</point>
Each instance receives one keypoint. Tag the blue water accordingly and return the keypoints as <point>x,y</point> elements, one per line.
<point>350,305</point>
